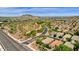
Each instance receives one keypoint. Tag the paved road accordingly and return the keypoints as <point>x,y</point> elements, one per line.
<point>11,45</point>
<point>34,38</point>
<point>45,31</point>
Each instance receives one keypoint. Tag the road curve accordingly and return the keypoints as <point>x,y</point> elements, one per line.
<point>10,44</point>
<point>34,38</point>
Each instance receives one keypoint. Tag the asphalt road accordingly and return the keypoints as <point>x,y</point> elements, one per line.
<point>45,31</point>
<point>11,45</point>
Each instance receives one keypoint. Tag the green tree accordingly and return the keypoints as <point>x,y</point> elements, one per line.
<point>40,22</point>
<point>77,33</point>
<point>33,32</point>
<point>69,39</point>
<point>46,46</point>
<point>39,41</point>
<point>40,30</point>
<point>54,35</point>
<point>63,48</point>
<point>60,36</point>
<point>28,34</point>
<point>56,28</point>
<point>76,45</point>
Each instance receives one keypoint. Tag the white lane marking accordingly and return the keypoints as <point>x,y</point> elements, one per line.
<point>4,49</point>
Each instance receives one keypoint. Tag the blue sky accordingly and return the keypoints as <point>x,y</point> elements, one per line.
<point>54,11</point>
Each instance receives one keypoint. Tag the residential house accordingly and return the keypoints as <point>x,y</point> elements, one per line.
<point>69,44</point>
<point>55,43</point>
<point>47,40</point>
<point>59,34</point>
<point>67,36</point>
<point>53,33</point>
<point>75,38</point>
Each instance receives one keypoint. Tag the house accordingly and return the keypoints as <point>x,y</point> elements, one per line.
<point>47,40</point>
<point>60,34</point>
<point>73,42</point>
<point>64,39</point>
<point>53,33</point>
<point>55,43</point>
<point>65,30</point>
<point>69,44</point>
<point>67,36</point>
<point>75,38</point>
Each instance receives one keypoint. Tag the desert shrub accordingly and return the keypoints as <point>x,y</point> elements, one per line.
<point>33,32</point>
<point>39,41</point>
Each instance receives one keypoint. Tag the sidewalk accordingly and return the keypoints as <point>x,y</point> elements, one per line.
<point>12,36</point>
<point>15,38</point>
<point>31,47</point>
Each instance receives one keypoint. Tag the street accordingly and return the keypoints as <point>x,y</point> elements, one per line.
<point>11,45</point>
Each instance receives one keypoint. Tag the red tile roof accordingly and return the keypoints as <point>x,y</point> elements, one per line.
<point>56,43</point>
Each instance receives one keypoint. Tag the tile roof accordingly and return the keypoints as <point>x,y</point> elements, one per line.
<point>47,40</point>
<point>56,43</point>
